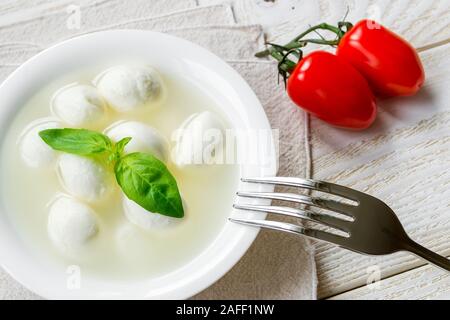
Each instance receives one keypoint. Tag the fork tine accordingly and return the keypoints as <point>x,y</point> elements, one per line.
<point>278,196</point>
<point>310,184</point>
<point>323,219</point>
<point>332,205</point>
<point>292,228</point>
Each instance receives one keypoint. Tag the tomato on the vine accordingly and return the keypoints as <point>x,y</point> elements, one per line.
<point>331,89</point>
<point>389,63</point>
<point>339,89</point>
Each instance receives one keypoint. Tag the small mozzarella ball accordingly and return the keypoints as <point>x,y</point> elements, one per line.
<point>83,177</point>
<point>128,88</point>
<point>145,219</point>
<point>70,224</point>
<point>78,105</point>
<point>143,138</point>
<point>199,140</point>
<point>33,150</point>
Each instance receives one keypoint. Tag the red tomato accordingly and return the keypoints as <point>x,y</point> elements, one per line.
<point>389,63</point>
<point>331,89</point>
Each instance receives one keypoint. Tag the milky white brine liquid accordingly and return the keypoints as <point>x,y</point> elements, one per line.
<point>120,249</point>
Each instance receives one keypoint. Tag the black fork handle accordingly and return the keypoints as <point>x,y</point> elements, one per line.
<point>432,257</point>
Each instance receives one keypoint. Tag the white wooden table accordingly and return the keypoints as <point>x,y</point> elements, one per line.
<point>425,214</point>
<point>392,162</point>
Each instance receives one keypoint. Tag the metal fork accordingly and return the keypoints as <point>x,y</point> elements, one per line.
<point>372,227</point>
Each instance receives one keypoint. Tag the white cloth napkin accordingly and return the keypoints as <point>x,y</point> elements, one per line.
<point>277,266</point>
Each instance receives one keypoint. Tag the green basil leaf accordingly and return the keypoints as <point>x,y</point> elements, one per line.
<point>77,141</point>
<point>147,181</point>
<point>121,144</point>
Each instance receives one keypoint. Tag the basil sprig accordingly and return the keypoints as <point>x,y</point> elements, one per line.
<point>143,178</point>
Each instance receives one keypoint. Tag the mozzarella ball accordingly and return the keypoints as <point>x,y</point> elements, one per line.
<point>83,177</point>
<point>33,150</point>
<point>143,138</point>
<point>145,219</point>
<point>70,224</point>
<point>78,105</point>
<point>128,88</point>
<point>200,140</point>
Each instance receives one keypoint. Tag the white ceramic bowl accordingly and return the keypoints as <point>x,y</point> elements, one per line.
<point>167,54</point>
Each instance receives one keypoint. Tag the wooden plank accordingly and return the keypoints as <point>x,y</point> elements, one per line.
<point>421,22</point>
<point>423,283</point>
<point>18,10</point>
<point>93,13</point>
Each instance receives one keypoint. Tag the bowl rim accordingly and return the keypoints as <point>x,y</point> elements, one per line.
<point>224,261</point>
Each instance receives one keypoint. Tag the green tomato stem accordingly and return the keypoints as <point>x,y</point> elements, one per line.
<point>285,64</point>
<point>296,43</point>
